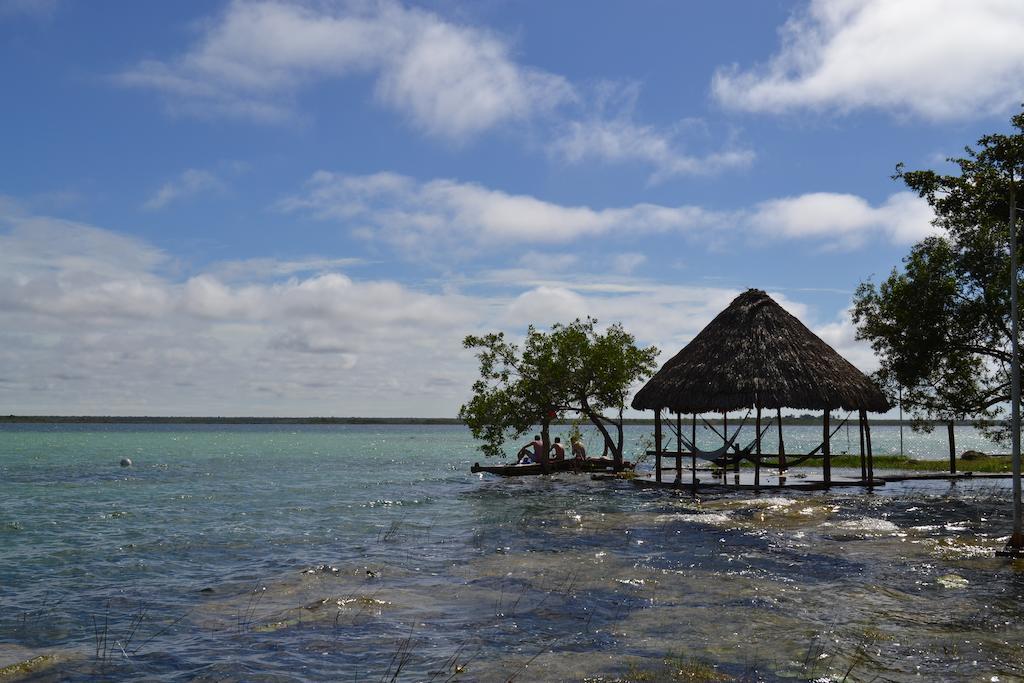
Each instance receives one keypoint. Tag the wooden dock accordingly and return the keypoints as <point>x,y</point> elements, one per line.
<point>792,481</point>
<point>744,481</point>
<point>946,476</point>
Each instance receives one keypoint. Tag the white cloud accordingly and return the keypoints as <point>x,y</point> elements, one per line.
<point>189,183</point>
<point>450,80</point>
<point>668,316</point>
<point>840,334</point>
<point>458,219</point>
<point>416,215</point>
<point>544,306</point>
<point>263,268</point>
<point>627,262</point>
<point>36,246</point>
<point>619,140</point>
<point>939,59</point>
<point>96,322</point>
<point>92,322</point>
<point>844,219</point>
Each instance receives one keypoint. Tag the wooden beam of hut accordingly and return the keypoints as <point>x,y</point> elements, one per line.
<point>693,453</point>
<point>826,464</point>
<point>782,445</point>
<point>679,447</point>
<point>657,445</point>
<point>871,457</point>
<point>757,462</point>
<point>861,418</point>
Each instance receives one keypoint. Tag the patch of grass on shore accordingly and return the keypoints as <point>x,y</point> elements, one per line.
<point>981,463</point>
<point>988,463</point>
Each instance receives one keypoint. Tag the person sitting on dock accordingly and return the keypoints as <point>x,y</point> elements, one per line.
<point>578,451</point>
<point>558,448</point>
<point>524,456</point>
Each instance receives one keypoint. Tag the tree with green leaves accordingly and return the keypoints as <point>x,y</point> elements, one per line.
<point>602,369</point>
<point>517,390</point>
<point>571,369</point>
<point>941,324</point>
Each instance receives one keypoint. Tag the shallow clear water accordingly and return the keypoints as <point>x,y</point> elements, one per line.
<point>347,552</point>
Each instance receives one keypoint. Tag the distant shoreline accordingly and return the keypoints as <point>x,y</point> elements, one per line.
<point>154,419</point>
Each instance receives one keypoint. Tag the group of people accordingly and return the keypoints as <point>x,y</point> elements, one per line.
<point>531,452</point>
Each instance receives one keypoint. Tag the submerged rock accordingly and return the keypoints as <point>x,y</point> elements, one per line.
<point>27,667</point>
<point>952,581</point>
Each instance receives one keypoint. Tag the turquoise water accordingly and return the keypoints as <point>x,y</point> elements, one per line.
<point>350,552</point>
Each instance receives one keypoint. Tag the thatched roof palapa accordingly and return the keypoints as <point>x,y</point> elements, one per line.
<point>756,354</point>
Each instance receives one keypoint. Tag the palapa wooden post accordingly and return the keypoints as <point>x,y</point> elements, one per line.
<point>679,447</point>
<point>952,449</point>
<point>693,453</point>
<point>861,417</point>
<point>782,445</point>
<point>725,440</point>
<point>657,445</point>
<point>736,465</point>
<point>826,465</point>
<point>871,458</point>
<point>757,462</point>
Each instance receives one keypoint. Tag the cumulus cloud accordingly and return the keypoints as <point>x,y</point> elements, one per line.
<point>459,217</point>
<point>841,335</point>
<point>938,59</point>
<point>627,262</point>
<point>96,322</point>
<point>620,140</point>
<point>414,214</point>
<point>48,244</point>
<point>93,322</point>
<point>844,219</point>
<point>665,315</point>
<point>189,183</point>
<point>545,306</point>
<point>263,268</point>
<point>253,60</point>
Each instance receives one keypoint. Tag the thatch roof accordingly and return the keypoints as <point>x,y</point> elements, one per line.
<point>752,354</point>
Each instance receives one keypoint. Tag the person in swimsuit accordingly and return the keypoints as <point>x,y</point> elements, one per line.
<point>524,456</point>
<point>578,451</point>
<point>558,449</point>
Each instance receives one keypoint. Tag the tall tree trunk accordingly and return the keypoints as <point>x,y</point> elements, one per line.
<point>952,448</point>
<point>598,421</point>
<point>546,441</point>
<point>618,450</point>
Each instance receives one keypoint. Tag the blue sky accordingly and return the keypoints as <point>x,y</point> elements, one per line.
<point>300,208</point>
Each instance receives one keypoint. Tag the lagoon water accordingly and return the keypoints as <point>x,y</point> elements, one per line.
<point>358,552</point>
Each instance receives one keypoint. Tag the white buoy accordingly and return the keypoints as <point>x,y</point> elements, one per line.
<point>126,462</point>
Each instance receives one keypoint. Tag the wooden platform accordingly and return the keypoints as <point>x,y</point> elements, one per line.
<point>744,481</point>
<point>794,480</point>
<point>946,476</point>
